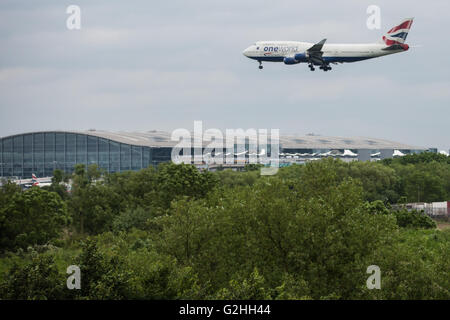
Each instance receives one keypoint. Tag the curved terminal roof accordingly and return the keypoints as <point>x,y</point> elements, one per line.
<point>324,142</point>
<point>163,139</point>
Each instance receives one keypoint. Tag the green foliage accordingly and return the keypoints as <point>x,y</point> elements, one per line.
<point>32,217</point>
<point>424,182</point>
<point>424,157</point>
<point>92,204</point>
<point>102,277</point>
<point>415,266</point>
<point>182,180</point>
<point>58,185</point>
<point>230,178</point>
<point>158,276</point>
<point>132,218</point>
<point>309,232</point>
<point>7,191</point>
<point>246,289</point>
<point>58,176</point>
<point>135,189</point>
<point>93,208</point>
<point>379,182</point>
<point>319,238</point>
<point>414,219</point>
<point>253,167</point>
<point>99,205</point>
<point>292,288</point>
<point>36,280</point>
<point>376,207</point>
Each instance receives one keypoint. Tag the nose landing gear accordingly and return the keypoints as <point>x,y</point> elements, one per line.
<point>260,65</point>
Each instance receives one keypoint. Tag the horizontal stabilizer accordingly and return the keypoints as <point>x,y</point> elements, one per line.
<point>397,46</point>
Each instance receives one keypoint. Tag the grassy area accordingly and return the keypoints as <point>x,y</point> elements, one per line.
<point>443,225</point>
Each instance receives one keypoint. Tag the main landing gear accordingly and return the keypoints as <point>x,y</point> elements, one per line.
<point>325,67</point>
<point>260,65</point>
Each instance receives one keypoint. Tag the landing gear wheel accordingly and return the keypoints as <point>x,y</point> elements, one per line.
<point>311,67</point>
<point>260,65</point>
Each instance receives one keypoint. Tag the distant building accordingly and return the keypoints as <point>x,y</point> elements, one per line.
<point>42,152</point>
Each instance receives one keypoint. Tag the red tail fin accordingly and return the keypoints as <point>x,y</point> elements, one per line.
<point>398,34</point>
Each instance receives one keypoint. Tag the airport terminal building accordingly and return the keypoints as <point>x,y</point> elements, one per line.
<point>41,153</point>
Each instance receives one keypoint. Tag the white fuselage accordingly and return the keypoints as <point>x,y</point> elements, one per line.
<point>277,51</point>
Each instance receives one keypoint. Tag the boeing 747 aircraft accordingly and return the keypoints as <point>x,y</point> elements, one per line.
<point>322,55</point>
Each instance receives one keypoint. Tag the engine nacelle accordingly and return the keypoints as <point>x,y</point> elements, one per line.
<point>290,60</point>
<point>302,57</point>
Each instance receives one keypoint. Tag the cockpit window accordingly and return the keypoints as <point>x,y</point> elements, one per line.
<point>257,48</point>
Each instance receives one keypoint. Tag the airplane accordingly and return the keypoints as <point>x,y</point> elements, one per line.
<point>322,55</point>
<point>36,183</point>
<point>34,180</point>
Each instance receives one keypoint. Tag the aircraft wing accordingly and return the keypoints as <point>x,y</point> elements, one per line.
<point>315,53</point>
<point>317,48</point>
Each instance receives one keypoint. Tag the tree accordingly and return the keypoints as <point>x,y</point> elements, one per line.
<point>252,288</point>
<point>135,189</point>
<point>176,180</point>
<point>424,157</point>
<point>132,218</point>
<point>414,219</point>
<point>36,280</point>
<point>94,208</point>
<point>32,217</point>
<point>103,277</point>
<point>93,204</point>
<point>57,183</point>
<point>58,176</point>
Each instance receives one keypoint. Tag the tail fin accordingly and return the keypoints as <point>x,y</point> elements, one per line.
<point>398,34</point>
<point>34,180</point>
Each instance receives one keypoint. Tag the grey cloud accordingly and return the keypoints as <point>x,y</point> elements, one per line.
<point>140,65</point>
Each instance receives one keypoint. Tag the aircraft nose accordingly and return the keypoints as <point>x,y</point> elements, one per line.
<point>246,52</point>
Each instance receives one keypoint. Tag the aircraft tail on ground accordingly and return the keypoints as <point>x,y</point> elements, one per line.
<point>34,180</point>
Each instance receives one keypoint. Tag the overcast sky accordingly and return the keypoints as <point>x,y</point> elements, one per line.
<point>144,65</point>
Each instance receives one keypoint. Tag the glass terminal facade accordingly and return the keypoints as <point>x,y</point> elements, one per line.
<point>43,152</point>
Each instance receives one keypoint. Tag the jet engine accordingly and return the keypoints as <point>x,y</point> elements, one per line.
<point>290,60</point>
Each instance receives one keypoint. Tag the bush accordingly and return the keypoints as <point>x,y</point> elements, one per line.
<point>414,219</point>
<point>37,280</point>
<point>102,277</point>
<point>33,217</point>
<point>131,218</point>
